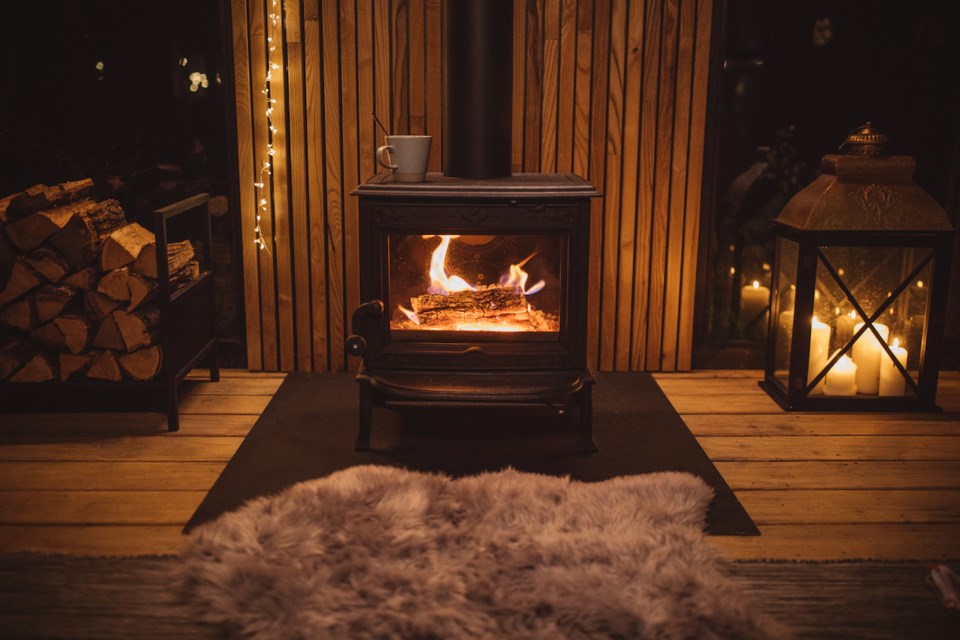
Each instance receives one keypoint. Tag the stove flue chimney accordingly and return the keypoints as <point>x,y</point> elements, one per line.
<point>478,86</point>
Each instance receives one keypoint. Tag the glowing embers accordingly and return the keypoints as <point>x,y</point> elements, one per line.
<point>451,303</point>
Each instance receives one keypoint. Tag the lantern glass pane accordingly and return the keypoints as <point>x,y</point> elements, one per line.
<point>892,280</point>
<point>788,253</point>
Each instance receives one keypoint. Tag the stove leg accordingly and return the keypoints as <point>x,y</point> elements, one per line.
<point>366,418</point>
<point>584,401</point>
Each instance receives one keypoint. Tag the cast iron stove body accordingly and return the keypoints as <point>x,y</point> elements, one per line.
<point>475,292</point>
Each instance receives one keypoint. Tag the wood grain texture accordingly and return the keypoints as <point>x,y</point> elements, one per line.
<point>330,21</point>
<point>351,162</point>
<point>283,247</point>
<point>822,487</point>
<point>246,169</point>
<point>550,89</point>
<point>258,74</point>
<point>695,158</point>
<point>299,213</point>
<point>614,90</point>
<point>610,341</point>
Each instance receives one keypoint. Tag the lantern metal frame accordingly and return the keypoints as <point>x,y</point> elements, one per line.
<point>863,199</point>
<point>795,396</point>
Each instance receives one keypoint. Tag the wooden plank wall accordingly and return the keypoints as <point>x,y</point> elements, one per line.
<point>613,90</point>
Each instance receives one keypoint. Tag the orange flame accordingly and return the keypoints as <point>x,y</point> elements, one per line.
<point>440,282</point>
<point>411,315</point>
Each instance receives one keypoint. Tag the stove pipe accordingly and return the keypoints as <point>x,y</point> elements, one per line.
<point>478,86</point>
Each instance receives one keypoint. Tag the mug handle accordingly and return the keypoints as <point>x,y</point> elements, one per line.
<point>381,152</point>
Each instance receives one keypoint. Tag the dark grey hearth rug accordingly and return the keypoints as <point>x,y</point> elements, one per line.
<point>307,431</point>
<point>380,552</point>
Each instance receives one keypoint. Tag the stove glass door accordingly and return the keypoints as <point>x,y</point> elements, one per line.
<point>487,285</point>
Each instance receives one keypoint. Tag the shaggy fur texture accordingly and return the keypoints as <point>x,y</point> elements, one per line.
<point>378,552</point>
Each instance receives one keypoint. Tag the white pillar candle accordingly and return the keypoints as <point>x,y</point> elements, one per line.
<point>819,346</point>
<point>753,301</point>
<point>866,355</point>
<point>892,381</point>
<point>842,378</point>
<point>845,326</point>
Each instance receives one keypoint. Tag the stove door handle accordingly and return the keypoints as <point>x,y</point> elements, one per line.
<point>363,322</point>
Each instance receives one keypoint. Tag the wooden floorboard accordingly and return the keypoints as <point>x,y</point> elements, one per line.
<point>829,486</point>
<point>820,486</point>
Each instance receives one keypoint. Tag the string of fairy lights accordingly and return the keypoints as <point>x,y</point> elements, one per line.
<point>267,166</point>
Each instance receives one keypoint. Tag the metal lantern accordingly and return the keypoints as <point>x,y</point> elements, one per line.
<point>859,287</point>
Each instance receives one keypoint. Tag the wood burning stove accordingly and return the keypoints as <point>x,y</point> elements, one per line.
<point>475,292</point>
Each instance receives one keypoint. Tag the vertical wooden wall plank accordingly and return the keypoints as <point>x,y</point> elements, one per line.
<point>646,185</point>
<point>678,184</point>
<point>691,232</point>
<point>281,185</point>
<point>300,218</point>
<point>351,161</point>
<point>551,67</point>
<point>246,168</point>
<point>597,90</point>
<point>316,200</point>
<point>401,75</point>
<point>365,80</point>
<point>334,187</point>
<point>383,100</point>
<point>567,83</point>
<point>631,254</point>
<point>534,86</point>
<point>610,342</point>
<point>661,204</point>
<point>597,170</point>
<point>434,101</point>
<point>258,68</point>
<point>581,123</point>
<point>417,38</point>
<point>519,84</point>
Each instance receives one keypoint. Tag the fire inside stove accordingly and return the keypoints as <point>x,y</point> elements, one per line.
<point>487,283</point>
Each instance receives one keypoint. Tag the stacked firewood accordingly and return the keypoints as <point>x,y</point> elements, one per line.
<point>78,287</point>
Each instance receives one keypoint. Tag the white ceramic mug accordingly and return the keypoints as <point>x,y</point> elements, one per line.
<point>406,157</point>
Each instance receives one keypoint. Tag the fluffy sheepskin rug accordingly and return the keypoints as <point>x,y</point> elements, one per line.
<point>379,552</point>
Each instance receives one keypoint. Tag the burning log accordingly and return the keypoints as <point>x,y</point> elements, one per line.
<point>468,305</point>
<point>82,237</point>
<point>40,196</point>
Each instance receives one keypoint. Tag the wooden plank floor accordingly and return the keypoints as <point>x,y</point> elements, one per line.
<point>819,486</point>
<point>829,486</point>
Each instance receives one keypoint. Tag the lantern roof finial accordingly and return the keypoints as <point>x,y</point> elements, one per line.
<point>865,140</point>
